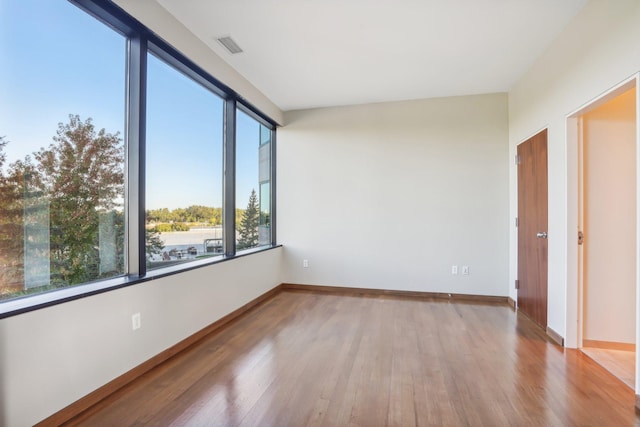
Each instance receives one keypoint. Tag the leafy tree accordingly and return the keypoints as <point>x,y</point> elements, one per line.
<point>180,226</point>
<point>216,216</point>
<point>248,228</point>
<point>192,214</point>
<point>11,223</point>
<point>82,175</point>
<point>157,215</point>
<point>76,186</point>
<point>178,214</point>
<point>166,228</point>
<point>162,228</point>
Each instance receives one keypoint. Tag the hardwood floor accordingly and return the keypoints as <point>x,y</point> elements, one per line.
<point>620,363</point>
<point>304,358</point>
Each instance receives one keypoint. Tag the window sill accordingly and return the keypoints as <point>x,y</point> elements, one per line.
<point>46,299</point>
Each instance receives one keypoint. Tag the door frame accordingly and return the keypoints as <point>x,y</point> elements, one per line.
<point>574,290</point>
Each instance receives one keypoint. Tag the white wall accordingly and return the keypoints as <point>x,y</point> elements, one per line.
<point>609,147</point>
<point>391,195</point>
<point>596,51</point>
<point>50,358</point>
<point>161,22</point>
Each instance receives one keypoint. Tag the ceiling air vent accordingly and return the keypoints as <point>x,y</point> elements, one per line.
<point>229,44</point>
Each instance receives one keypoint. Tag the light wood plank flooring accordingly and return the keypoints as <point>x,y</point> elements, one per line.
<point>620,363</point>
<point>309,359</point>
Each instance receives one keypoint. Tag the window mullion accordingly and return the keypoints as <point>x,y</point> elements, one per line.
<point>135,146</point>
<point>229,181</point>
<point>272,187</point>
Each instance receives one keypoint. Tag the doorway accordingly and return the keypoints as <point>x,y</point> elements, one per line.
<point>606,137</point>
<point>532,228</point>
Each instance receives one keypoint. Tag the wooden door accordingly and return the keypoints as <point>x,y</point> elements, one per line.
<point>532,228</point>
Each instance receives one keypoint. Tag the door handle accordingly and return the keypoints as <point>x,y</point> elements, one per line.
<point>542,235</point>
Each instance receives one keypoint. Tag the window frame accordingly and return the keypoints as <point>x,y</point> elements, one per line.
<point>246,109</point>
<point>141,41</point>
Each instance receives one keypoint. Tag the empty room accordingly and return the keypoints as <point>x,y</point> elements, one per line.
<point>292,213</point>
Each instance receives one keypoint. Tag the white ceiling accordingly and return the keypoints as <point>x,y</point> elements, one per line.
<point>317,53</point>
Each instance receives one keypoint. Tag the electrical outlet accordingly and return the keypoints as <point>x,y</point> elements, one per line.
<point>305,263</point>
<point>454,269</point>
<point>465,270</point>
<point>136,321</point>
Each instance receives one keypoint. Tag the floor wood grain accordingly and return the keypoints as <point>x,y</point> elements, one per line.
<point>309,359</point>
<point>620,363</point>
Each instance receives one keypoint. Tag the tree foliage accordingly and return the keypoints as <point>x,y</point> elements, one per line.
<point>175,226</point>
<point>192,214</point>
<point>11,222</point>
<point>82,175</point>
<point>74,188</point>
<point>154,245</point>
<point>248,228</point>
<point>83,168</point>
<point>239,215</point>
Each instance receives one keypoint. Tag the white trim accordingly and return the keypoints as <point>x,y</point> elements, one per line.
<point>531,135</point>
<point>572,292</point>
<point>637,78</point>
<point>573,338</point>
<point>605,96</point>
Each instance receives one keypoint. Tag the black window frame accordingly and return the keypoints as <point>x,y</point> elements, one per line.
<point>141,41</point>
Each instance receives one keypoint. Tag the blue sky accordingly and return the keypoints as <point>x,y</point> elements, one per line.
<point>56,60</point>
<point>50,69</point>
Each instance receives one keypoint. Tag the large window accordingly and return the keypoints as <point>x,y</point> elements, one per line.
<point>119,157</point>
<point>253,182</point>
<point>183,167</point>
<point>62,110</point>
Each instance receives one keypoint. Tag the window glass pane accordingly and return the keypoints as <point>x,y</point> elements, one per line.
<point>62,102</point>
<point>183,168</point>
<point>253,190</point>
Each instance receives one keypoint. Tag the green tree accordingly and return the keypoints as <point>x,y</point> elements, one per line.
<point>248,228</point>
<point>179,215</point>
<point>193,214</point>
<point>162,228</point>
<point>82,175</point>
<point>180,226</point>
<point>154,244</point>
<point>12,222</point>
<point>79,180</point>
<point>164,215</point>
<point>216,216</point>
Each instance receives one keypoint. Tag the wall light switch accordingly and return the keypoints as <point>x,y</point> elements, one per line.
<point>305,263</point>
<point>454,269</point>
<point>465,270</point>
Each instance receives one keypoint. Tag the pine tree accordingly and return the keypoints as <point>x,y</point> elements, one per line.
<point>248,229</point>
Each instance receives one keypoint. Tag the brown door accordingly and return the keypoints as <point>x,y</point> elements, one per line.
<point>532,228</point>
